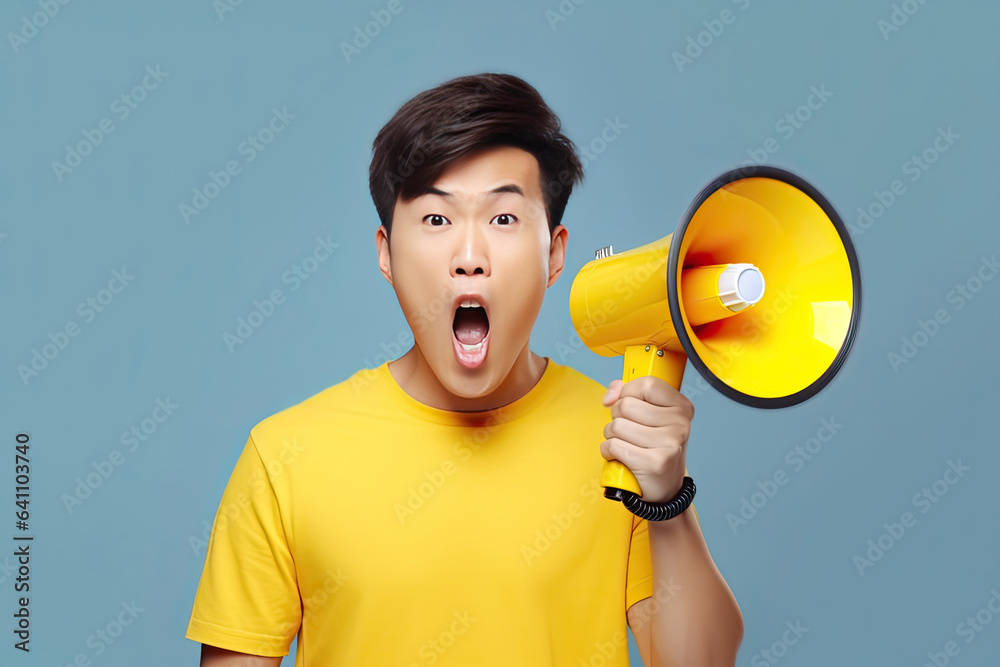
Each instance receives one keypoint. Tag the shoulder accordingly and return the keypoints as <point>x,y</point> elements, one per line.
<point>317,410</point>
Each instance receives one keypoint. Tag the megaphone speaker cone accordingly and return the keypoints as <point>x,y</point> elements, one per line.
<point>790,343</point>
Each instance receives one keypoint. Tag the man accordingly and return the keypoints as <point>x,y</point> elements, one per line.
<point>444,508</point>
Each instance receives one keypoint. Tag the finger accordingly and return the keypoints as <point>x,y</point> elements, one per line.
<point>632,457</point>
<point>658,392</point>
<point>613,392</point>
<point>648,437</point>
<point>644,412</point>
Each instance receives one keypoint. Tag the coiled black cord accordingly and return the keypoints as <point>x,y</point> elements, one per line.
<point>655,511</point>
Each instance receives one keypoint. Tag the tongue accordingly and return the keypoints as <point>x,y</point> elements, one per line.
<point>471,325</point>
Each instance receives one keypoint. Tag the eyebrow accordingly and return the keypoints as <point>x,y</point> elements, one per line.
<point>509,187</point>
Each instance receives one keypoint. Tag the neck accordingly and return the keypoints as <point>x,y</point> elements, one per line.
<point>416,377</point>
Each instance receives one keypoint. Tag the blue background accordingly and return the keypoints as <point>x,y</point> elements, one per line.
<point>63,235</point>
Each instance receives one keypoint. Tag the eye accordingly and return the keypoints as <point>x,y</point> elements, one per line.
<point>436,220</point>
<point>505,219</point>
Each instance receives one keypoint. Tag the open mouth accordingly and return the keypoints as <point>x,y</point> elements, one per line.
<point>471,339</point>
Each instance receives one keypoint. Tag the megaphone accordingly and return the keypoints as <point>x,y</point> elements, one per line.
<point>758,286</point>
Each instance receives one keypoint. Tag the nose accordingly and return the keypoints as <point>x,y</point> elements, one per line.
<point>471,253</point>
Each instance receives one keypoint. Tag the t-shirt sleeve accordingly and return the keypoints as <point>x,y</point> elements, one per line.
<point>639,577</point>
<point>248,598</point>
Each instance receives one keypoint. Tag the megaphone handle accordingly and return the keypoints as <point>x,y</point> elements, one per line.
<point>641,360</point>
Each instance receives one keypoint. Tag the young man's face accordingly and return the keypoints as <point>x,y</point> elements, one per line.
<point>482,230</point>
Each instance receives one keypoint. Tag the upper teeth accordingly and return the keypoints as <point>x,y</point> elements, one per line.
<point>469,303</point>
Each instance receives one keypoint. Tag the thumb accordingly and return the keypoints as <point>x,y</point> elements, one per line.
<point>613,392</point>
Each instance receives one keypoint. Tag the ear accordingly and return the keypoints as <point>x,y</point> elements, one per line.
<point>557,253</point>
<point>382,246</point>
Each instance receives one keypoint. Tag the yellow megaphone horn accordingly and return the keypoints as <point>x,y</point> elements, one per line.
<point>759,286</point>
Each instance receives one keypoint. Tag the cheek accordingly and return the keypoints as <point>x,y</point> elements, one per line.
<point>424,309</point>
<point>525,297</point>
<point>415,294</point>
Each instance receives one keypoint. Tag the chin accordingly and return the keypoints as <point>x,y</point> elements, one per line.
<point>470,382</point>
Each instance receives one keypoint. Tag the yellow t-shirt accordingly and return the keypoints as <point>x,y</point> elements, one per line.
<point>383,531</point>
